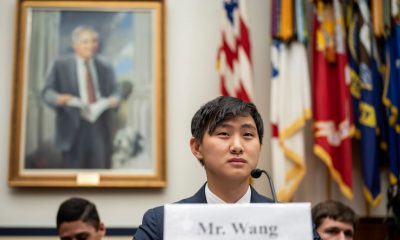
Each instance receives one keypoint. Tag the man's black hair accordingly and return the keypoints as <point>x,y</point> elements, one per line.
<point>78,209</point>
<point>334,210</point>
<point>221,109</point>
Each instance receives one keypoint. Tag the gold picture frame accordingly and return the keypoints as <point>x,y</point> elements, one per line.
<point>113,140</point>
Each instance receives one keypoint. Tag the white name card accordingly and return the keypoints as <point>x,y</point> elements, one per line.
<point>88,179</point>
<point>289,221</point>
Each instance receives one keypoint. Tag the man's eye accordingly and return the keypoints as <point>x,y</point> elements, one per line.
<point>332,231</point>
<point>348,233</point>
<point>249,134</point>
<point>83,236</point>
<point>222,134</point>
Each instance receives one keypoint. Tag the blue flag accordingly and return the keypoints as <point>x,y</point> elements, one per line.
<point>391,101</point>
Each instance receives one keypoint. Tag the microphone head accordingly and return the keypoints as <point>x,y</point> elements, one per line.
<point>256,173</point>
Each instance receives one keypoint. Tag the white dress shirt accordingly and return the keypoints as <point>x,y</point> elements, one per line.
<point>212,198</point>
<point>81,69</point>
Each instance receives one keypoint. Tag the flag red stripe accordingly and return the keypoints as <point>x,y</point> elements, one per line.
<point>245,41</point>
<point>235,82</point>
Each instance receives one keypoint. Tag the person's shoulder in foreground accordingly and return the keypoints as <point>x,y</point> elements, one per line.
<point>226,139</point>
<point>77,218</point>
<point>334,220</point>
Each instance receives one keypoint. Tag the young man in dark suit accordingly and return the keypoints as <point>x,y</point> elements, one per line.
<point>226,138</point>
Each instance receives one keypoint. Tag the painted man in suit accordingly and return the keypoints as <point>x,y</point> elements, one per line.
<point>86,79</point>
<point>226,138</point>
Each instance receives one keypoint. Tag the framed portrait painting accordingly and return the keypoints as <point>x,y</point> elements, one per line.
<point>88,96</point>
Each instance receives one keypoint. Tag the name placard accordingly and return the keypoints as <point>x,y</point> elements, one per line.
<point>88,179</point>
<point>289,221</point>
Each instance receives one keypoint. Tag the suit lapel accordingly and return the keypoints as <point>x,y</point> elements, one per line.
<point>200,196</point>
<point>73,70</point>
<point>101,82</point>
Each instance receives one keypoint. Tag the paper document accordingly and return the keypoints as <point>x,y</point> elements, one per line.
<point>90,112</point>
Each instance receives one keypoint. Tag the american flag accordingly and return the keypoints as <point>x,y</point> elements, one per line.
<point>234,55</point>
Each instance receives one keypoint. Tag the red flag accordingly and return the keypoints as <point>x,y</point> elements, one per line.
<point>234,55</point>
<point>331,96</point>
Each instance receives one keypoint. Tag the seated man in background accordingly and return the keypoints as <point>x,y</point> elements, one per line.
<point>226,139</point>
<point>334,220</point>
<point>77,218</point>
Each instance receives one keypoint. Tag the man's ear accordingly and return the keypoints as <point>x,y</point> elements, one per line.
<point>195,146</point>
<point>102,229</point>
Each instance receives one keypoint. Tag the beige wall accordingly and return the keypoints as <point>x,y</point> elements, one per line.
<point>192,38</point>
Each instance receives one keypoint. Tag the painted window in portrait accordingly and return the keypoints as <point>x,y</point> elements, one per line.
<point>89,95</point>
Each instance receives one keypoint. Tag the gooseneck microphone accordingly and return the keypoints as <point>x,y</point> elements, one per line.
<point>256,173</point>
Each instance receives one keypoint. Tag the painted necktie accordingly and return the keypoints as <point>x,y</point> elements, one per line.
<point>89,84</point>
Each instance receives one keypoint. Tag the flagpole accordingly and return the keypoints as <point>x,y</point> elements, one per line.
<point>328,184</point>
<point>367,208</point>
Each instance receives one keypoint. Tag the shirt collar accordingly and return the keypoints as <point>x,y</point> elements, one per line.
<point>82,60</point>
<point>212,198</point>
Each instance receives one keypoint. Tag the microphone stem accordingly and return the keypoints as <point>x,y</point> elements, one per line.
<point>271,185</point>
<point>272,188</point>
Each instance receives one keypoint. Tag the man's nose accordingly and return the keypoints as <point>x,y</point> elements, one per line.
<point>236,145</point>
<point>341,236</point>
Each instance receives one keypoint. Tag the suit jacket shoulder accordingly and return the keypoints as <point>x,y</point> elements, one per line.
<point>258,198</point>
<point>152,225</point>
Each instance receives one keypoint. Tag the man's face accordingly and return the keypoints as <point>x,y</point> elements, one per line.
<point>231,151</point>
<point>79,230</point>
<point>86,44</point>
<point>331,229</point>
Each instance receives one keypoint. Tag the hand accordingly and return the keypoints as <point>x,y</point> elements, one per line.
<point>63,99</point>
<point>113,102</point>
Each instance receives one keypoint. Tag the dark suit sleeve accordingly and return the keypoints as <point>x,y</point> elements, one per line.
<point>152,225</point>
<point>49,94</point>
<point>61,79</point>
